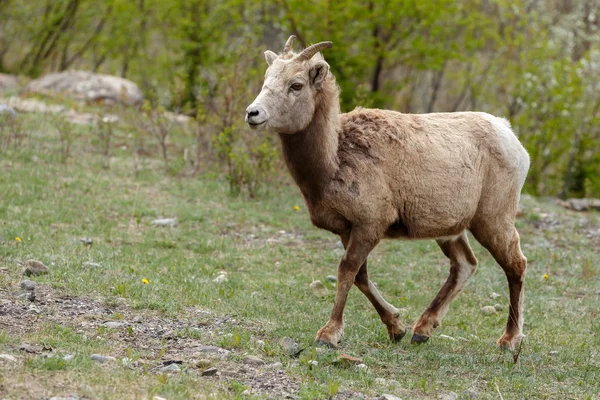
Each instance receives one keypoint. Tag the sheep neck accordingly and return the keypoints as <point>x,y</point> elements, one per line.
<point>311,154</point>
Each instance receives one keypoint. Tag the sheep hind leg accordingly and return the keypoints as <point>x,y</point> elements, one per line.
<point>388,313</point>
<point>462,266</point>
<point>504,245</point>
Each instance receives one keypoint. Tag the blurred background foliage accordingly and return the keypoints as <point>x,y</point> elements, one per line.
<point>536,62</point>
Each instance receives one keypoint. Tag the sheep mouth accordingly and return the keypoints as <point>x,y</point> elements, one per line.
<point>255,125</point>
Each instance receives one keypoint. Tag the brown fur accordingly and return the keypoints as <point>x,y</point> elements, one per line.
<point>372,174</point>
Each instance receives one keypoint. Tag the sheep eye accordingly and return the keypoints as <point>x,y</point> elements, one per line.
<point>296,86</point>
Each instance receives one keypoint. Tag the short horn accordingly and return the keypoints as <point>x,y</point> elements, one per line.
<point>310,51</point>
<point>288,45</point>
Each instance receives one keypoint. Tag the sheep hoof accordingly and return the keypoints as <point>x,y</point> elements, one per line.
<point>418,338</point>
<point>396,337</point>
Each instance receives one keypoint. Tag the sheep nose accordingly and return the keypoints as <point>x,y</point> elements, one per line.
<point>255,115</point>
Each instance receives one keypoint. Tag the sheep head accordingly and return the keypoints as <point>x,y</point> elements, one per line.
<point>287,101</point>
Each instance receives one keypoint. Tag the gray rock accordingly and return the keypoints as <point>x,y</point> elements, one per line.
<point>27,348</point>
<point>277,366</point>
<point>113,324</point>
<point>165,222</point>
<point>170,368</point>
<point>29,296</point>
<point>253,360</point>
<point>212,350</point>
<point>68,357</point>
<point>222,278</point>
<point>288,346</point>
<point>387,396</point>
<point>34,268</point>
<point>101,359</point>
<point>331,278</point>
<point>472,393</point>
<point>339,245</point>
<point>489,310</point>
<point>27,285</point>
<point>447,396</point>
<point>64,398</point>
<point>498,307</point>
<point>362,367</point>
<point>4,109</point>
<point>137,319</point>
<point>88,86</point>
<point>209,372</point>
<point>7,358</point>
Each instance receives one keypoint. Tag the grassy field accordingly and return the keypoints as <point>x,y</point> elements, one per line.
<point>156,285</point>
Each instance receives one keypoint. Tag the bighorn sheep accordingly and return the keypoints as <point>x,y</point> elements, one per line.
<point>372,174</point>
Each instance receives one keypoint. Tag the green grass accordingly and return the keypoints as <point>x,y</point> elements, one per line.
<point>51,206</point>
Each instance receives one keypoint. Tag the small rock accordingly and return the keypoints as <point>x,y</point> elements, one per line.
<point>101,359</point>
<point>221,279</point>
<point>498,307</point>
<point>447,396</point>
<point>68,357</point>
<point>165,222</point>
<point>313,363</point>
<point>113,324</point>
<point>447,337</point>
<point>288,346</point>
<point>27,285</point>
<point>171,368</point>
<point>553,352</point>
<point>158,398</point>
<point>339,245</point>
<point>29,296</point>
<point>317,285</point>
<point>87,241</point>
<point>34,267</point>
<point>488,310</point>
<point>348,359</point>
<point>7,357</point>
<point>209,372</point>
<point>494,296</point>
<point>472,393</point>
<point>210,350</point>
<point>91,264</point>
<point>253,360</point>
<point>64,398</point>
<point>362,367</point>
<point>4,109</point>
<point>27,348</point>
<point>331,278</point>
<point>387,396</point>
<point>260,344</point>
<point>137,319</point>
<point>276,366</point>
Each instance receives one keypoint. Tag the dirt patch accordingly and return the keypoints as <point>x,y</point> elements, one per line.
<point>159,340</point>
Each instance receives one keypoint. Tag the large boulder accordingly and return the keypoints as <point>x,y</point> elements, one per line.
<point>8,83</point>
<point>88,86</point>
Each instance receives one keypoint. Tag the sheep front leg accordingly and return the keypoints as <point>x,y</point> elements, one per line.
<point>360,244</point>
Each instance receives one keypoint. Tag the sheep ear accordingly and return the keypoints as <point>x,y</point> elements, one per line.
<point>318,73</point>
<point>270,57</point>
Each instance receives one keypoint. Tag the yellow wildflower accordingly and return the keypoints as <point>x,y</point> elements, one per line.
<point>18,239</point>
<point>546,277</point>
<point>145,281</point>
<point>296,208</point>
